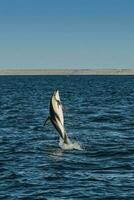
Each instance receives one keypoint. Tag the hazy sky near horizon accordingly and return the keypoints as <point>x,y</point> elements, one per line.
<point>66,33</point>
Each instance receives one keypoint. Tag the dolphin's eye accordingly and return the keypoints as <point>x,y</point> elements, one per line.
<point>58,102</point>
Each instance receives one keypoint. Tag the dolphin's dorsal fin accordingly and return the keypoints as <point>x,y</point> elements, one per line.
<point>47,120</point>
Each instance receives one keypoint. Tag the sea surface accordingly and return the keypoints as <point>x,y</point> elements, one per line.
<point>99,116</point>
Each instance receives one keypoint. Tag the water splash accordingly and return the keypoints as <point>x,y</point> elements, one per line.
<point>70,145</point>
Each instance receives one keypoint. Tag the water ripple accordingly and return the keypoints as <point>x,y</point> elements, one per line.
<point>100,112</point>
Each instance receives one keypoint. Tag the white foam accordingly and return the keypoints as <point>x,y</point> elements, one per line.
<point>70,145</point>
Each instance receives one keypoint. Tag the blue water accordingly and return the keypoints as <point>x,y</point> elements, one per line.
<point>99,116</point>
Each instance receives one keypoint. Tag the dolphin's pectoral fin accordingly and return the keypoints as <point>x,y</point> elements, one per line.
<point>47,120</point>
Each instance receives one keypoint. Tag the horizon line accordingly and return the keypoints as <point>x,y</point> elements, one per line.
<point>98,71</point>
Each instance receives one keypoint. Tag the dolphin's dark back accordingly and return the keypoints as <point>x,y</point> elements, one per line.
<point>51,109</point>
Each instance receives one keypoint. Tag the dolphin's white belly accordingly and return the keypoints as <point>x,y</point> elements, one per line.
<point>61,127</point>
<point>58,110</point>
<point>61,115</point>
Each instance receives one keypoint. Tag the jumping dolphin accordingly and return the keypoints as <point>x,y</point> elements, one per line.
<point>56,116</point>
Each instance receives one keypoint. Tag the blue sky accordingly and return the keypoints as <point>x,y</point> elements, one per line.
<point>66,33</point>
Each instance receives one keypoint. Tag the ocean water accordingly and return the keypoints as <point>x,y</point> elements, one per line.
<point>99,116</point>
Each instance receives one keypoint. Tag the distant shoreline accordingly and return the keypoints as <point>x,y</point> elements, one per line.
<point>66,72</point>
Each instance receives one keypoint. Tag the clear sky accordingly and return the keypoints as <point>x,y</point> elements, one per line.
<point>66,33</point>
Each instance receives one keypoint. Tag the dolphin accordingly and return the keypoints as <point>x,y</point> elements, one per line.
<point>56,116</point>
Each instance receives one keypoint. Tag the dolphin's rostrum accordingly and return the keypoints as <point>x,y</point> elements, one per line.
<point>56,116</point>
